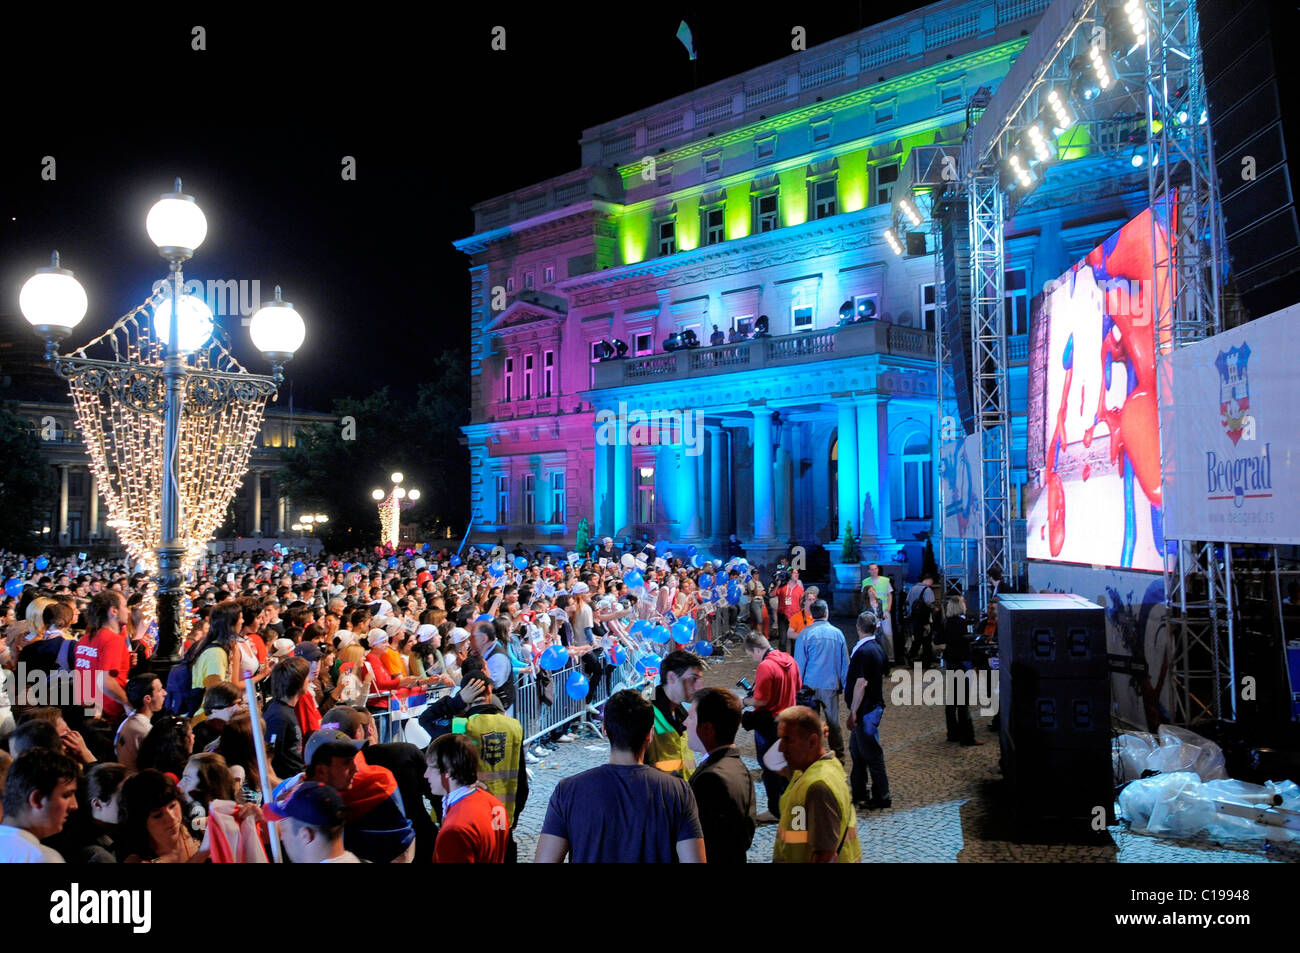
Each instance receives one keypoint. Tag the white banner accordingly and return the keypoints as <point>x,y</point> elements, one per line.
<point>1236,435</point>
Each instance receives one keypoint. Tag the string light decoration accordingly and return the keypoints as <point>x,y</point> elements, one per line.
<point>390,509</point>
<point>119,410</point>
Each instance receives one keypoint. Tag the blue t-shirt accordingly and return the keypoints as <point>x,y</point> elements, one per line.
<point>623,814</point>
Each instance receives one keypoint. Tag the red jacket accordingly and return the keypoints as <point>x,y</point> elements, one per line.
<point>777,682</point>
<point>469,835</point>
<point>791,595</point>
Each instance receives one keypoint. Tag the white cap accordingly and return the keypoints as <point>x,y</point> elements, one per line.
<point>580,588</point>
<point>426,632</point>
<point>377,637</point>
<point>459,635</point>
<point>281,648</point>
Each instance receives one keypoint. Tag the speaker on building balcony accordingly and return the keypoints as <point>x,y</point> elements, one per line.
<point>915,243</point>
<point>1250,152</point>
<point>1054,703</point>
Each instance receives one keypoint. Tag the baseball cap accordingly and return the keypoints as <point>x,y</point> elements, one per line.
<point>580,587</point>
<point>308,650</point>
<point>343,718</point>
<point>377,637</point>
<point>312,803</point>
<point>330,743</point>
<point>459,635</point>
<point>281,648</point>
<point>426,632</point>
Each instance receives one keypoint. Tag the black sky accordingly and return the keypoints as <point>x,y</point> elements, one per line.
<point>257,125</point>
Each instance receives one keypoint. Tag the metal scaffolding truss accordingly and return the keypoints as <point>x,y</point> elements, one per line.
<point>952,552</point>
<point>1183,189</point>
<point>989,373</point>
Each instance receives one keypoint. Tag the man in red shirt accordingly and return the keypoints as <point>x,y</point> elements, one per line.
<point>790,596</point>
<point>475,825</point>
<point>776,685</point>
<point>103,653</point>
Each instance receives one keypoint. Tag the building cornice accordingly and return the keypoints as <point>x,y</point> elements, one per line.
<point>481,241</point>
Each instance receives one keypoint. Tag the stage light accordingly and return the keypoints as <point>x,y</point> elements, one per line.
<point>1100,68</point>
<point>1061,112</point>
<point>761,326</point>
<point>1138,160</point>
<point>620,348</point>
<point>1137,18</point>
<point>910,211</point>
<point>1039,142</point>
<point>1018,169</point>
<point>893,241</point>
<point>846,312</point>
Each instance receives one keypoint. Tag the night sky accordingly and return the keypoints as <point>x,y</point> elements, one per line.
<point>258,123</point>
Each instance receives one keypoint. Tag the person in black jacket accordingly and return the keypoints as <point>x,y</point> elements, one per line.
<point>283,733</point>
<point>956,662</point>
<point>724,791</point>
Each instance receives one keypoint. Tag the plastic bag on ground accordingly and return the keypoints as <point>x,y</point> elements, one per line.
<point>1181,805</point>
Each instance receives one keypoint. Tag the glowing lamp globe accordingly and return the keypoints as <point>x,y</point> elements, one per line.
<point>397,477</point>
<point>277,329</point>
<point>414,494</point>
<point>176,225</point>
<point>194,319</point>
<point>400,493</point>
<point>377,494</point>
<point>53,301</point>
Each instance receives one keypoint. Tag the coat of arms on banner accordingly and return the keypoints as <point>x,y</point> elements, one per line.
<point>1234,389</point>
<point>493,747</point>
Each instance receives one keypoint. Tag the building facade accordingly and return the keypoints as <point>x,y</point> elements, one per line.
<point>762,199</point>
<point>76,517</point>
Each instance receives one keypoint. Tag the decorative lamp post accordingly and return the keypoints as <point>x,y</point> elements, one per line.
<point>390,508</point>
<point>168,415</point>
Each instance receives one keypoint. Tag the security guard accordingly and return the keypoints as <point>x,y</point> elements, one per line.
<point>500,743</point>
<point>670,749</point>
<point>818,822</point>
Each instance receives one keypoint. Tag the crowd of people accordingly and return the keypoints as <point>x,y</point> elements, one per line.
<point>271,732</point>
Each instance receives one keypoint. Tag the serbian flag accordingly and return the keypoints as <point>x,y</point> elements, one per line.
<point>688,41</point>
<point>230,841</point>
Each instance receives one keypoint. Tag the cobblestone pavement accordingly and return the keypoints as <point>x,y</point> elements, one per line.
<point>945,800</point>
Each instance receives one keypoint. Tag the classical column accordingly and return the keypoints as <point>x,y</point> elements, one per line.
<point>873,456</point>
<point>717,461</point>
<point>602,490</point>
<point>257,503</point>
<point>763,525</point>
<point>94,505</point>
<point>784,499</point>
<point>850,502</point>
<point>688,491</point>
<point>281,505</point>
<point>623,487</point>
<point>63,504</point>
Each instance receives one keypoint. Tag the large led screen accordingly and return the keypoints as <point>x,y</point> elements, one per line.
<point>1093,494</point>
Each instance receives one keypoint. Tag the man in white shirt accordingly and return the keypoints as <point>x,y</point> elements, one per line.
<point>145,694</point>
<point>311,826</point>
<point>40,793</point>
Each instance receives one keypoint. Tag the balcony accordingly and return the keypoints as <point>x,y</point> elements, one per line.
<point>790,350</point>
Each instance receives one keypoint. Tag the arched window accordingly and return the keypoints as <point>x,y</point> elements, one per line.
<point>913,487</point>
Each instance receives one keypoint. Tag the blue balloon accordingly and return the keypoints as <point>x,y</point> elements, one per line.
<point>660,634</point>
<point>691,550</point>
<point>689,621</point>
<point>455,560</point>
<point>42,563</point>
<point>681,633</point>
<point>425,548</point>
<point>392,562</point>
<point>298,568</point>
<point>648,663</point>
<point>347,566</point>
<point>14,587</point>
<point>706,581</point>
<point>697,562</point>
<point>703,648</point>
<point>554,658</point>
<point>639,626</point>
<point>521,562</point>
<point>616,654</point>
<point>633,579</point>
<point>576,686</point>
<point>733,593</point>
<point>496,569</point>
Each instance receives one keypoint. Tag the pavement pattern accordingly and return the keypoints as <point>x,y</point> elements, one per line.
<point>946,801</point>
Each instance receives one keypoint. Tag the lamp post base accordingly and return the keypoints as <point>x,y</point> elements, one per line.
<point>171,592</point>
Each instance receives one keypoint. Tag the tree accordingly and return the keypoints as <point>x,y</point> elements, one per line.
<point>333,475</point>
<point>27,484</point>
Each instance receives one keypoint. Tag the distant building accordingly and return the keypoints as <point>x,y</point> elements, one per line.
<point>77,518</point>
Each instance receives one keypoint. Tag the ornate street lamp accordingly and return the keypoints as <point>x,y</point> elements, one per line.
<point>390,508</point>
<point>168,415</point>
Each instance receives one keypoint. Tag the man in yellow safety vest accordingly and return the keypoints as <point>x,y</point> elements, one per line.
<point>818,822</point>
<point>500,743</point>
<point>670,749</point>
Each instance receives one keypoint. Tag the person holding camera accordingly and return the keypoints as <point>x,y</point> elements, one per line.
<point>775,687</point>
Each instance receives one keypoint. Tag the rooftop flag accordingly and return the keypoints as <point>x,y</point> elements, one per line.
<point>688,41</point>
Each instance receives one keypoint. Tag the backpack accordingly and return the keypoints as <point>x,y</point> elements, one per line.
<point>179,693</point>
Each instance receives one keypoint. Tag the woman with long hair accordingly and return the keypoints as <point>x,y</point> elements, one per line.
<point>153,827</point>
<point>211,660</point>
<point>957,658</point>
<point>206,778</point>
<point>239,749</point>
<point>168,745</point>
